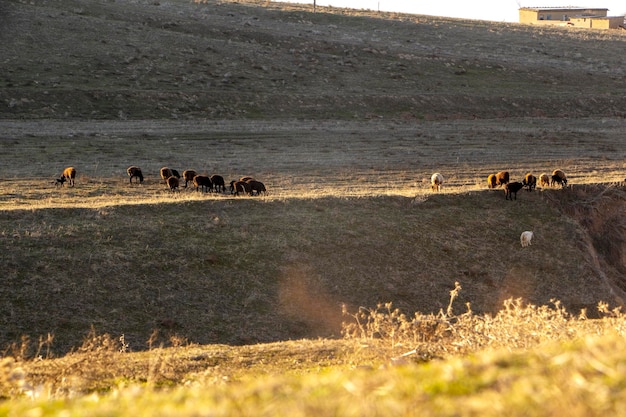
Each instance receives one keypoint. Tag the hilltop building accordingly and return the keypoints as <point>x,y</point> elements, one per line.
<point>583,17</point>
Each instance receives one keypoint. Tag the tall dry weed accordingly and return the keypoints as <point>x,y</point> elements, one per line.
<point>518,325</point>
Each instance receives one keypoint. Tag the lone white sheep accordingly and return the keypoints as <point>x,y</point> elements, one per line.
<point>525,238</point>
<point>436,181</point>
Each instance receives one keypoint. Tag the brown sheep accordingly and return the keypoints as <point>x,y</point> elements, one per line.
<point>511,188</point>
<point>188,175</point>
<point>202,181</point>
<point>491,181</point>
<point>165,173</point>
<point>69,174</point>
<point>544,180</point>
<point>218,183</point>
<point>558,177</point>
<point>242,179</point>
<point>241,186</point>
<point>436,182</point>
<point>257,186</point>
<point>173,183</point>
<point>134,172</point>
<point>530,182</point>
<point>502,178</point>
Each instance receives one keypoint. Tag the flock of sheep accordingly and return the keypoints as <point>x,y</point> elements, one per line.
<point>213,183</point>
<point>511,188</point>
<point>250,186</point>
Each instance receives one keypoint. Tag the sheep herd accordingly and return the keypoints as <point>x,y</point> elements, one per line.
<point>511,188</point>
<point>172,178</point>
<point>251,186</point>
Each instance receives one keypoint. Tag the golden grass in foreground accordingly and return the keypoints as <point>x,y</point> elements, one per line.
<point>525,361</point>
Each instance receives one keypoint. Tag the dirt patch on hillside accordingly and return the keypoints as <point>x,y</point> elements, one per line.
<point>599,209</point>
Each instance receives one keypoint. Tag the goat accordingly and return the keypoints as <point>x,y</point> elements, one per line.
<point>502,178</point>
<point>134,172</point>
<point>525,238</point>
<point>68,174</point>
<point>202,181</point>
<point>511,189</point>
<point>218,183</point>
<point>173,183</point>
<point>241,186</point>
<point>436,182</point>
<point>530,182</point>
<point>188,175</point>
<point>558,177</point>
<point>257,186</point>
<point>491,181</point>
<point>544,180</point>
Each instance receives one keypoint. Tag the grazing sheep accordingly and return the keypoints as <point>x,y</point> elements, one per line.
<point>502,178</point>
<point>218,183</point>
<point>558,177</point>
<point>436,181</point>
<point>525,238</point>
<point>188,175</point>
<point>166,173</point>
<point>257,186</point>
<point>511,189</point>
<point>134,172</point>
<point>69,174</point>
<point>202,181</point>
<point>544,180</point>
<point>491,181</point>
<point>242,179</point>
<point>530,182</point>
<point>173,183</point>
<point>241,186</point>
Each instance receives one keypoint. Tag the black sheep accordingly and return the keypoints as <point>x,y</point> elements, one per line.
<point>218,183</point>
<point>511,190</point>
<point>202,181</point>
<point>188,175</point>
<point>134,172</point>
<point>257,186</point>
<point>173,183</point>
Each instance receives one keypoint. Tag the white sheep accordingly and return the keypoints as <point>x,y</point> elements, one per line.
<point>525,238</point>
<point>436,181</point>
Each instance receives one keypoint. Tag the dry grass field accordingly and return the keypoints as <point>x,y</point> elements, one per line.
<point>344,116</point>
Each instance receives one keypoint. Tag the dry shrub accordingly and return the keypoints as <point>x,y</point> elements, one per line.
<point>518,325</point>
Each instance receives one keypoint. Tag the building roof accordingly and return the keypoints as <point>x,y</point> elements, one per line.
<point>563,8</point>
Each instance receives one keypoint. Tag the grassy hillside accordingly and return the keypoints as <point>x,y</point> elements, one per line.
<point>336,112</point>
<point>125,299</point>
<point>133,59</point>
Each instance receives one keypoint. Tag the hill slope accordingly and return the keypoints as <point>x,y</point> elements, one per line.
<point>178,59</point>
<point>344,115</point>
